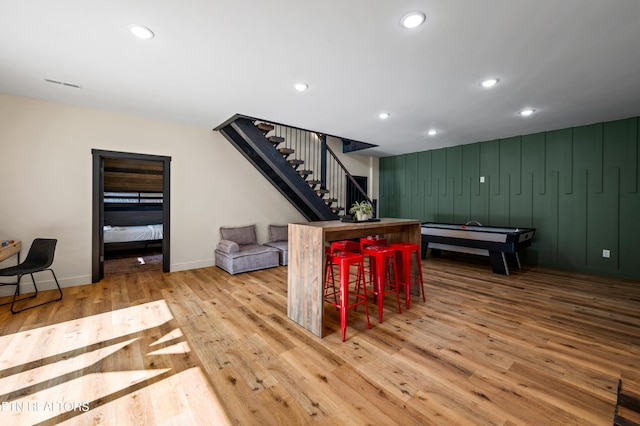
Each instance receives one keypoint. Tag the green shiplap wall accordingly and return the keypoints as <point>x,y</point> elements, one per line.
<point>578,187</point>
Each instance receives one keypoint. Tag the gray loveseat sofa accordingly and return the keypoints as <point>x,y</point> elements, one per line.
<point>238,251</point>
<point>279,239</point>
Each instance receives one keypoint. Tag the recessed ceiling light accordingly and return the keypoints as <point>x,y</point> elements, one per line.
<point>301,87</point>
<point>413,19</point>
<point>140,32</point>
<point>527,112</point>
<point>490,82</point>
<point>384,115</point>
<point>432,132</point>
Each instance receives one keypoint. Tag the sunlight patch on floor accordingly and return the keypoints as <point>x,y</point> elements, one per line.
<point>84,372</point>
<point>175,334</point>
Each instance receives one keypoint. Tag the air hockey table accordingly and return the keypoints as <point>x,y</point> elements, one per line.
<point>500,244</point>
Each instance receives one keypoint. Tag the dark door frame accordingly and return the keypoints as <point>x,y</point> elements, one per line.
<point>97,235</point>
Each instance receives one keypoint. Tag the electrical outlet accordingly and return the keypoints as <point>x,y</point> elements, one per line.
<point>481,179</point>
<point>606,253</point>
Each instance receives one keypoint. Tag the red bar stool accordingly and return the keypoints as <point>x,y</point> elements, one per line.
<point>407,276</point>
<point>329,281</point>
<point>345,246</point>
<point>385,263</point>
<point>348,299</point>
<point>372,241</point>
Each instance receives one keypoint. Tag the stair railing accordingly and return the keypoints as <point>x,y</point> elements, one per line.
<point>318,165</point>
<point>340,170</point>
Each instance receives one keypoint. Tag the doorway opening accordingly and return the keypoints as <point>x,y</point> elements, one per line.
<point>131,205</point>
<point>133,225</point>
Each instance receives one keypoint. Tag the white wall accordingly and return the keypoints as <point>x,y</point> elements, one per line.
<point>46,188</point>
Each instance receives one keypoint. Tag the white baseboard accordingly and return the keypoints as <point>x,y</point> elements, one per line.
<point>46,283</point>
<point>175,267</point>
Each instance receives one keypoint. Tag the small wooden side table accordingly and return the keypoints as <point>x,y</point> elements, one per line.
<point>12,248</point>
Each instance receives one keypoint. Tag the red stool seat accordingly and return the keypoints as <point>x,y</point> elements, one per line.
<point>372,241</point>
<point>345,246</point>
<point>405,252</point>
<point>385,274</point>
<point>352,292</point>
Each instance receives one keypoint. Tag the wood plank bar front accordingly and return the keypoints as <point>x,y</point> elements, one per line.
<point>306,260</point>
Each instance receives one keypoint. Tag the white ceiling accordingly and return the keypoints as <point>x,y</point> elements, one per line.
<point>575,61</point>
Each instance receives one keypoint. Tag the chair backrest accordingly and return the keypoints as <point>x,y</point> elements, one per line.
<point>41,252</point>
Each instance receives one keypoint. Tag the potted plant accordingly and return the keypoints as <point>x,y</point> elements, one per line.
<point>361,210</point>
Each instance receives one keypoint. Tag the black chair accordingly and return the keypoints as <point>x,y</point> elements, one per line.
<point>39,258</point>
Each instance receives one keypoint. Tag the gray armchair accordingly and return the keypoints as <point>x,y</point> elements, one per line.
<point>279,239</point>
<point>238,251</point>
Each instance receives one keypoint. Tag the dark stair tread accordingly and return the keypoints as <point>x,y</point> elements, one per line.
<point>295,162</point>
<point>314,182</point>
<point>249,137</point>
<point>276,139</point>
<point>264,127</point>
<point>322,191</point>
<point>331,200</point>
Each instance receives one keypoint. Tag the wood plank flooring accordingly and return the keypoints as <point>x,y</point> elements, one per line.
<point>131,261</point>
<point>538,347</point>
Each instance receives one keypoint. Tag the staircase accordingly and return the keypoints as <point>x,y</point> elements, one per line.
<point>298,165</point>
<point>297,162</point>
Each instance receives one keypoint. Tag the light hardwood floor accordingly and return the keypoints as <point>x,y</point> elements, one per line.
<point>539,347</point>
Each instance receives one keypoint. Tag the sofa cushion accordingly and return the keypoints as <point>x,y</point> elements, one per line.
<point>283,248</point>
<point>251,257</point>
<point>240,234</point>
<point>228,246</point>
<point>278,233</point>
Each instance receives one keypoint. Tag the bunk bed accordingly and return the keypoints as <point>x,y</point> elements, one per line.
<point>133,204</point>
<point>132,220</point>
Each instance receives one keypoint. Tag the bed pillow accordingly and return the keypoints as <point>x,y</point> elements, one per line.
<point>241,235</point>
<point>278,233</point>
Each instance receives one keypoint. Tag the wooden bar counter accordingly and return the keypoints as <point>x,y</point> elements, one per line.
<point>307,257</point>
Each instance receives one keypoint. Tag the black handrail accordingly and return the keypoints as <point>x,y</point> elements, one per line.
<point>328,170</point>
<point>344,169</point>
